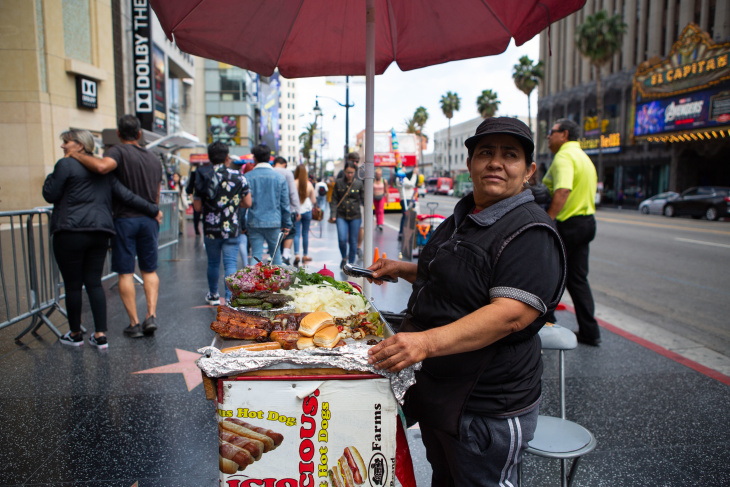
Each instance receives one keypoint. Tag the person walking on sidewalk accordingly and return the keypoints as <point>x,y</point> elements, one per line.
<point>190,189</point>
<point>347,199</point>
<point>221,224</point>
<point>306,203</point>
<point>270,212</point>
<point>137,234</point>
<point>572,182</point>
<point>354,158</point>
<point>81,225</point>
<point>380,197</point>
<point>321,192</point>
<point>286,246</point>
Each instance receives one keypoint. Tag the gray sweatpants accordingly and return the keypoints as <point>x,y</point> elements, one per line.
<point>487,455</point>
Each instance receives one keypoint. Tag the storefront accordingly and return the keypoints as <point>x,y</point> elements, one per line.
<point>682,105</point>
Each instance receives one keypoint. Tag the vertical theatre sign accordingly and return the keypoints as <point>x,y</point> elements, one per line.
<point>142,49</point>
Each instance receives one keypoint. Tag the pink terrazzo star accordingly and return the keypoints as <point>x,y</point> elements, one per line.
<point>185,366</point>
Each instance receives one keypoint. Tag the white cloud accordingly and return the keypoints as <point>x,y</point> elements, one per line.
<point>399,93</point>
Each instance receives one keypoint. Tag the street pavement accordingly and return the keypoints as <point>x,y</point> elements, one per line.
<point>136,414</point>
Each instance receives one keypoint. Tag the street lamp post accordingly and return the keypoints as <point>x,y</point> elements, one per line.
<point>347,105</point>
<point>318,113</point>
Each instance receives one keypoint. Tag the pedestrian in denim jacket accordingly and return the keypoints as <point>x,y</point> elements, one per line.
<point>270,212</point>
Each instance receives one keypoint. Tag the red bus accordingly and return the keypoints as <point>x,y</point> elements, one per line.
<point>384,158</point>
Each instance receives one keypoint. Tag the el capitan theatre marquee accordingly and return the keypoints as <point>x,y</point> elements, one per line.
<point>687,95</point>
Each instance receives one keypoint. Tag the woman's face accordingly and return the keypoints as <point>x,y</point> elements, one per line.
<point>71,146</point>
<point>349,174</point>
<point>176,177</point>
<point>498,169</point>
<point>378,174</point>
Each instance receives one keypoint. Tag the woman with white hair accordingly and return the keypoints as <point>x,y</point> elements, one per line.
<point>81,225</point>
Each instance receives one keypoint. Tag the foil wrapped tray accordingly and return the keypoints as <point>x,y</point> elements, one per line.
<point>352,356</point>
<point>266,313</point>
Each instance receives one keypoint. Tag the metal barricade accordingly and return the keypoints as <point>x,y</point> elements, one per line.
<point>29,276</point>
<point>30,282</point>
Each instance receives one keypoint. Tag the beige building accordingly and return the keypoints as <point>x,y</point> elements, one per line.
<point>660,35</point>
<point>45,45</point>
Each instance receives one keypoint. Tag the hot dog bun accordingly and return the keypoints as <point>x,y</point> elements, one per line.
<point>354,461</point>
<point>254,347</point>
<point>304,343</point>
<point>346,472</point>
<point>327,337</point>
<point>313,322</point>
<point>227,466</point>
<point>335,477</point>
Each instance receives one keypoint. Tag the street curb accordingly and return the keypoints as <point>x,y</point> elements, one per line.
<point>690,354</point>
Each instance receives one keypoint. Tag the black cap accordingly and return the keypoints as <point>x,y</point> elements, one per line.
<point>504,125</point>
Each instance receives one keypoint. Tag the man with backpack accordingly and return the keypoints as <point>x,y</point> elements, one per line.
<point>220,189</point>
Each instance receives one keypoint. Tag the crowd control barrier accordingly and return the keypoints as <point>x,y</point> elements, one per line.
<point>30,286</point>
<point>30,282</point>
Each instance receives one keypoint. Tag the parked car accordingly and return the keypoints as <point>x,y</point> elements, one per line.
<point>655,204</point>
<point>431,185</point>
<point>712,202</point>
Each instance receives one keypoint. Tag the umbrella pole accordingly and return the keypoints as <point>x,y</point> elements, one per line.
<point>369,132</point>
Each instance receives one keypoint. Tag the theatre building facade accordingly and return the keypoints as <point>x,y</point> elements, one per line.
<point>666,121</point>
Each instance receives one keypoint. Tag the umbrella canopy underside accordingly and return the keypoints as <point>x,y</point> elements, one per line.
<point>305,38</point>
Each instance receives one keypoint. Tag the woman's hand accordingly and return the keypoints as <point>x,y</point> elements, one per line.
<point>332,220</point>
<point>384,267</point>
<point>393,268</point>
<point>399,351</point>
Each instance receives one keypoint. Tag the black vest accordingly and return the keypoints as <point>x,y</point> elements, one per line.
<point>453,280</point>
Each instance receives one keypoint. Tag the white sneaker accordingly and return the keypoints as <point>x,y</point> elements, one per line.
<point>213,299</point>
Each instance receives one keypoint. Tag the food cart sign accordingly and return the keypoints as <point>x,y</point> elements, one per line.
<point>314,432</point>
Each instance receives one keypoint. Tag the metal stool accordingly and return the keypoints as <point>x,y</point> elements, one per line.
<point>558,437</point>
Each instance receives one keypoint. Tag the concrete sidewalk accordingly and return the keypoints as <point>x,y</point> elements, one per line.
<point>137,412</point>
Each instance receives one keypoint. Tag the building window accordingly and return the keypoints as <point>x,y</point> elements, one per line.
<point>76,32</point>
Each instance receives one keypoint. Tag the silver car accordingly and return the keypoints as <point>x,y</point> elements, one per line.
<point>655,204</point>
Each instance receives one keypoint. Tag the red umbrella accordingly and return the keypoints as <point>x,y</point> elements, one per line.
<point>328,37</point>
<point>353,37</point>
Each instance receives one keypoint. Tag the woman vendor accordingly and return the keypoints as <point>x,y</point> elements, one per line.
<point>482,287</point>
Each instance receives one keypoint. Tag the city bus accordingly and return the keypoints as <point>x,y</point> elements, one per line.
<point>384,158</point>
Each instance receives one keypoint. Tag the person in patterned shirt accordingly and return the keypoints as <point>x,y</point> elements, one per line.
<point>221,227</point>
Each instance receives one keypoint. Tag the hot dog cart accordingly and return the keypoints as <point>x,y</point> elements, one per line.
<point>323,416</point>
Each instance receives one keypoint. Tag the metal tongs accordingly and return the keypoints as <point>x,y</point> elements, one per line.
<point>278,244</point>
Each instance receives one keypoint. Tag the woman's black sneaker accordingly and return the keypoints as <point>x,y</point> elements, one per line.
<point>99,342</point>
<point>72,340</point>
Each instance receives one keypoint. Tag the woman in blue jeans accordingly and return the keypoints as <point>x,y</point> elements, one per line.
<point>307,201</point>
<point>348,196</point>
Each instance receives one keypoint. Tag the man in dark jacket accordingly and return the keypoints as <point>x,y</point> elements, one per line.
<point>140,171</point>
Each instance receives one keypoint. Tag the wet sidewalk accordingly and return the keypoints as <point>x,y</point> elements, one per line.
<point>137,413</point>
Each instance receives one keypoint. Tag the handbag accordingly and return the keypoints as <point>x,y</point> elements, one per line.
<point>317,213</point>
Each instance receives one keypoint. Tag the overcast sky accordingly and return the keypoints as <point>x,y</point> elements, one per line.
<point>399,93</point>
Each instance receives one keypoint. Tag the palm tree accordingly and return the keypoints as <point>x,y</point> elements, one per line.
<point>598,39</point>
<point>450,103</point>
<point>487,103</point>
<point>306,138</point>
<point>527,76</point>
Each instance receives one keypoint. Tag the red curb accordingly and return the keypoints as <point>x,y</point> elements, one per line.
<point>713,374</point>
